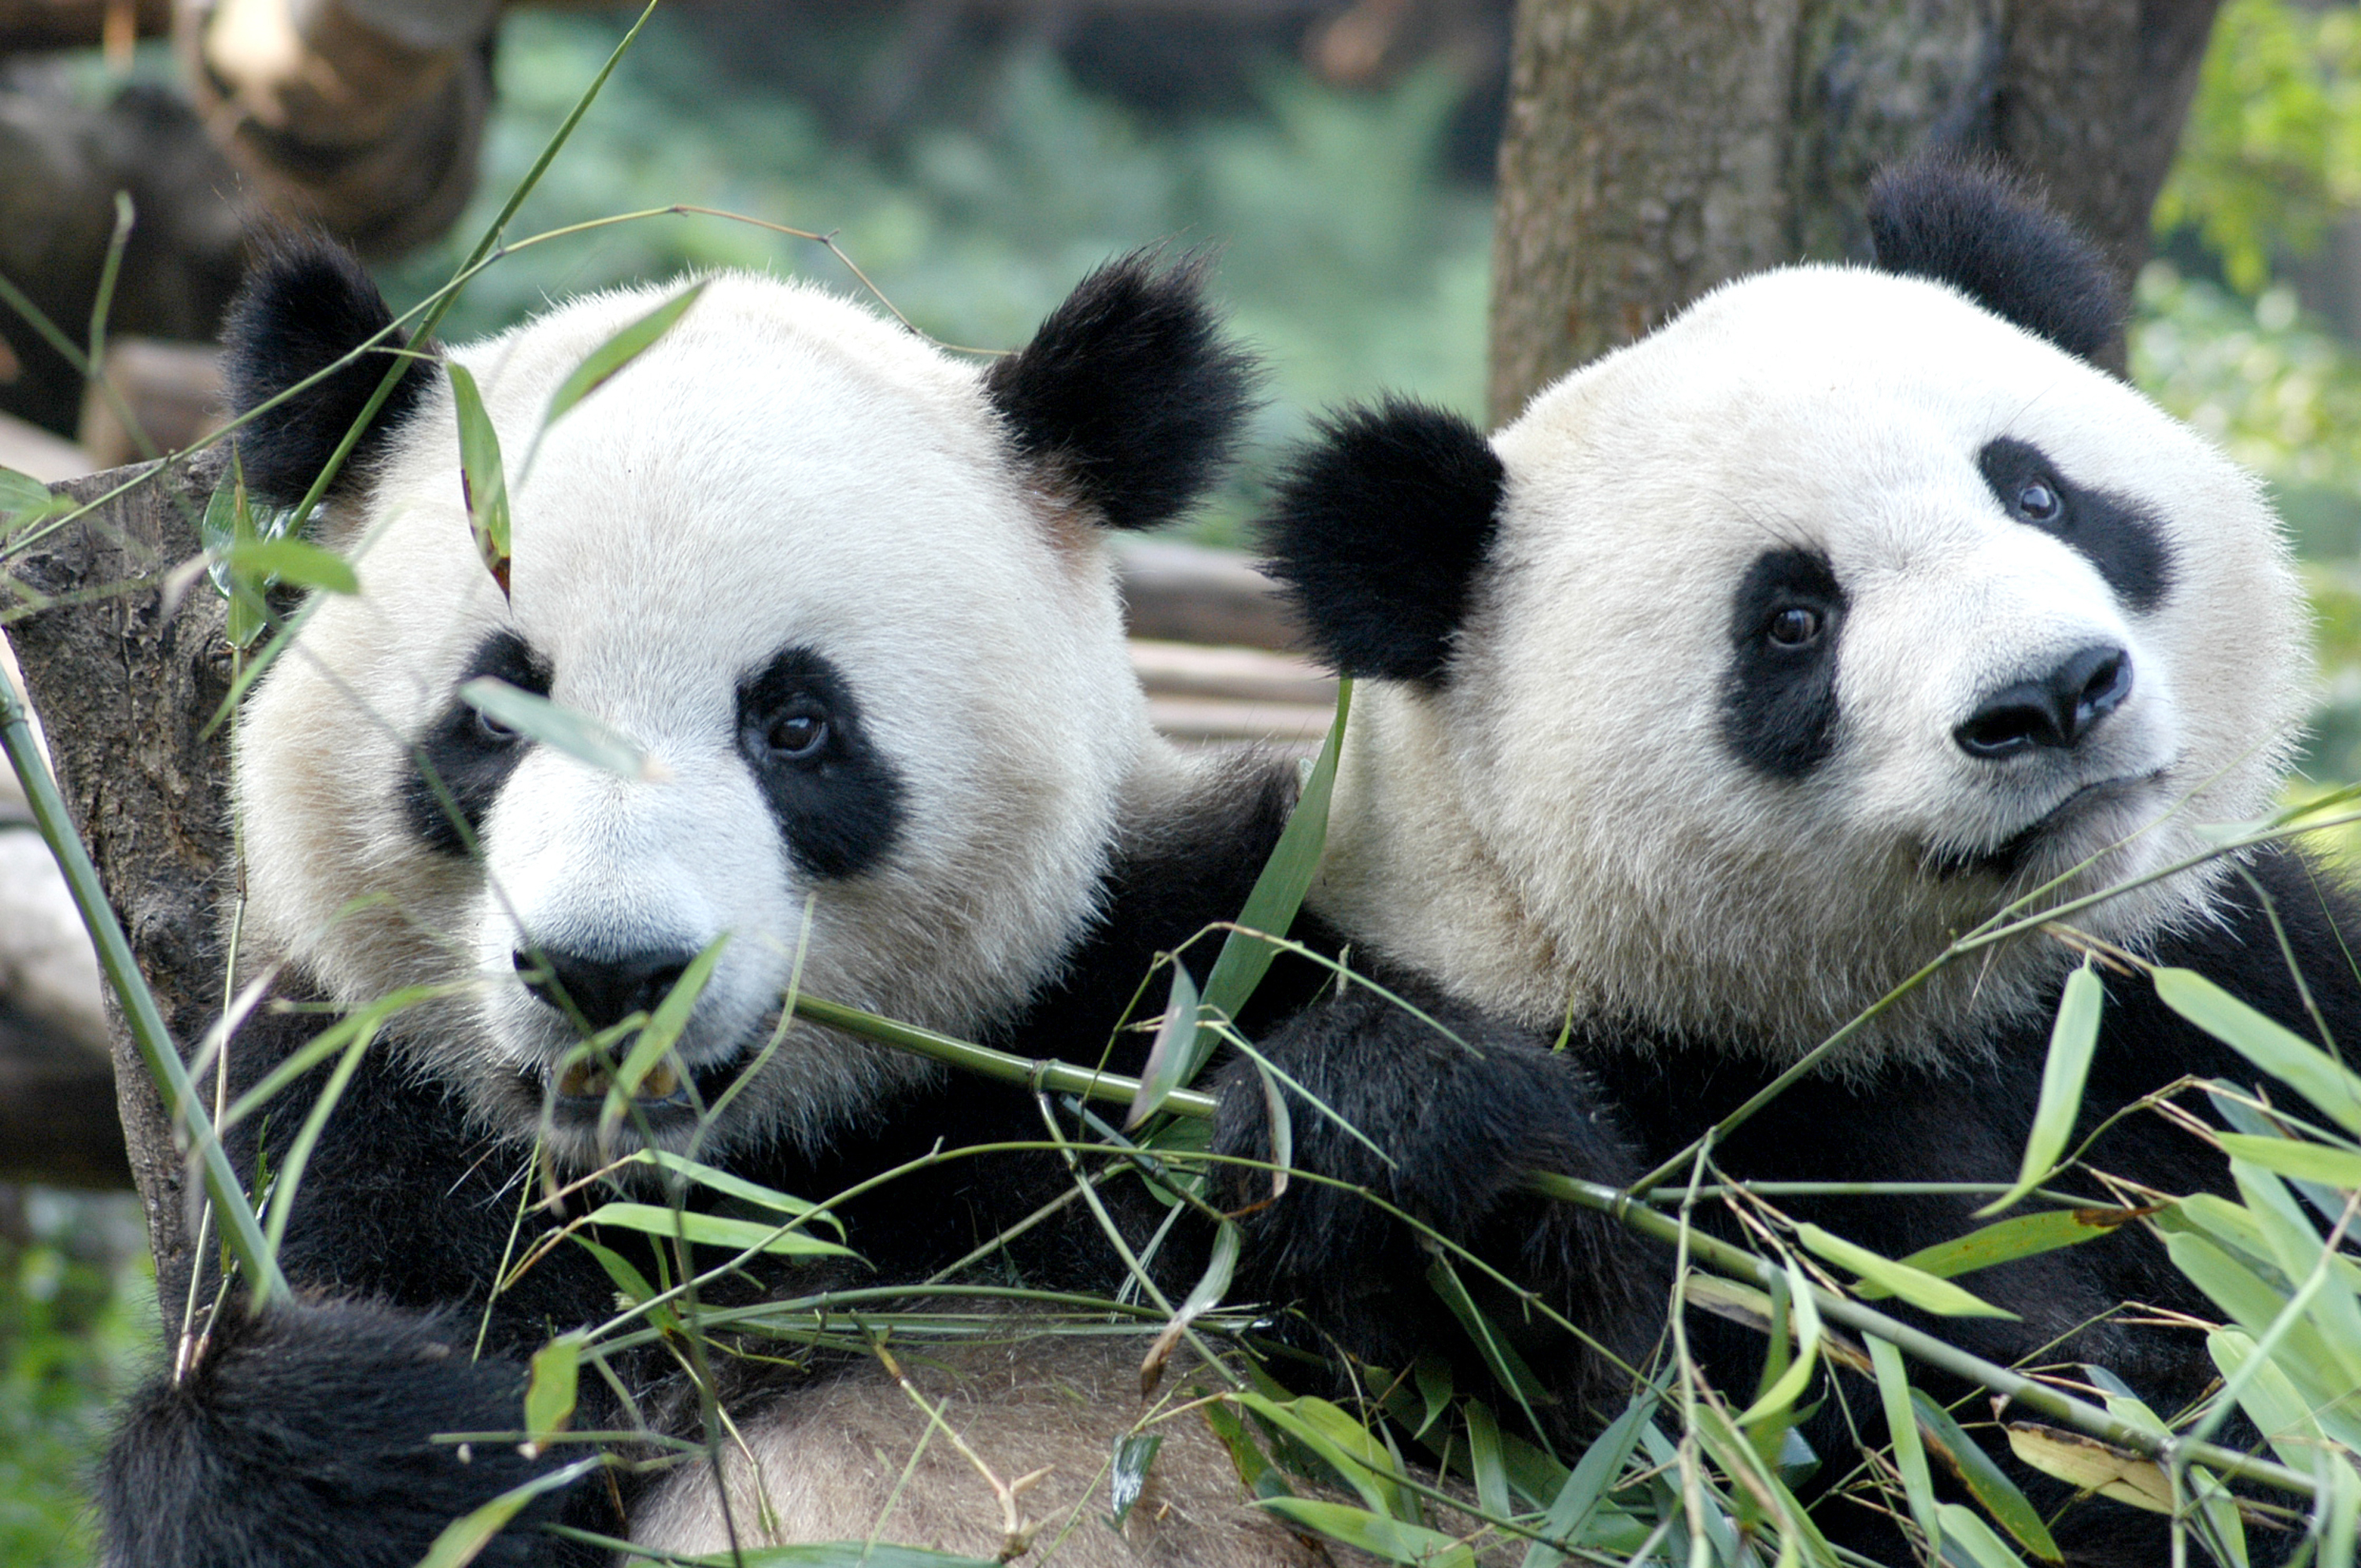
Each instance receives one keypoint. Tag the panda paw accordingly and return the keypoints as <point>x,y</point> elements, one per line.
<point>303,1436</point>
<point>1446,1131</point>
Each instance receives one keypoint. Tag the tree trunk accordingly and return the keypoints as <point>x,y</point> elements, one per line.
<point>126,684</point>
<point>1654,152</point>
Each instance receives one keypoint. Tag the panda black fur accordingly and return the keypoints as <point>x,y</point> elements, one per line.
<point>855,599</point>
<point>1705,703</point>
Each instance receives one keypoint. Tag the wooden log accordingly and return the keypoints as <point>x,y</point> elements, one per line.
<point>171,391</point>
<point>1186,593</point>
<point>1244,674</point>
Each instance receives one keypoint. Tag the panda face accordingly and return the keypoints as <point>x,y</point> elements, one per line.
<point>877,673</point>
<point>1812,631</point>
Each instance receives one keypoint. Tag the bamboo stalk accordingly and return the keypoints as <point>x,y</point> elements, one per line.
<point>153,1040</point>
<point>1064,1078</point>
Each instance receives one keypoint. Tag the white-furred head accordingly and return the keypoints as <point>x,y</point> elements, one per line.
<point>849,598</point>
<point>1760,660</point>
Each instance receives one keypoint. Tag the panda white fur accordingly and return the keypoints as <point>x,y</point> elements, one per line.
<point>1716,695</point>
<point>853,598</point>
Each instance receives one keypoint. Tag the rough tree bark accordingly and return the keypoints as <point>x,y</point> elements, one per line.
<point>1653,151</point>
<point>125,684</point>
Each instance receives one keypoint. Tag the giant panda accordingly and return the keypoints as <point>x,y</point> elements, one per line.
<point>1709,700</point>
<point>852,600</point>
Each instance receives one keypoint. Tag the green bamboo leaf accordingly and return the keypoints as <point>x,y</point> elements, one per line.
<point>1393,1539</point>
<point>1127,1477</point>
<point>226,522</point>
<point>1432,1373</point>
<point>659,1035</point>
<point>549,1397</point>
<point>468,1534</point>
<point>1278,893</point>
<point>737,1186</point>
<point>577,734</point>
<point>1211,1287</point>
<point>1485,1461</point>
<point>1262,1479</point>
<point>610,357</point>
<point>2268,1396</point>
<point>2340,1539</point>
<point>2072,1040</point>
<point>713,1230</point>
<point>2025,1237</point>
<point>2253,1304</point>
<point>630,1282</point>
<point>1167,1067</point>
<point>1921,1290</point>
<point>2320,1078</point>
<point>294,562</point>
<point>25,500</point>
<point>1499,1355</point>
<point>1975,1538</point>
<point>1902,1427</point>
<point>1986,1482</point>
<point>483,483</point>
<point>1578,1500</point>
<point>2299,1252</point>
<point>1343,1445</point>
<point>2305,1161</point>
<point>1789,1386</point>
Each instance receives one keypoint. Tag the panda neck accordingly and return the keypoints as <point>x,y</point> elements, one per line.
<point>1398,822</point>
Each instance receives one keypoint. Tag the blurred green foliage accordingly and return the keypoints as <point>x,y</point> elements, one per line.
<point>1343,253</point>
<point>77,1314</point>
<point>2272,150</point>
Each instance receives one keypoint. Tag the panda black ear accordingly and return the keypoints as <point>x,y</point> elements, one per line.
<point>306,304</point>
<point>1381,525</point>
<point>1981,230</point>
<point>1129,395</point>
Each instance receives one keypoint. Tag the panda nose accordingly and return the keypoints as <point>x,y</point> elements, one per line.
<point>2056,711</point>
<point>605,989</point>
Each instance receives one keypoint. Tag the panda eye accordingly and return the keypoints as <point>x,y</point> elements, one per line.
<point>797,734</point>
<point>492,732</point>
<point>1794,627</point>
<point>2036,502</point>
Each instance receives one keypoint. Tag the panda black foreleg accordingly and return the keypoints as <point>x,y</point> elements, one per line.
<point>301,1437</point>
<point>1459,1124</point>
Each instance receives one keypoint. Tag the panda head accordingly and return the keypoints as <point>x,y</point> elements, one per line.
<point>850,596</point>
<point>1759,659</point>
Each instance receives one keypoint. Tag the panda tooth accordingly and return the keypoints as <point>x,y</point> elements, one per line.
<point>660,1082</point>
<point>581,1079</point>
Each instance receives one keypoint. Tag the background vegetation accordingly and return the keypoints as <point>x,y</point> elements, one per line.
<point>1357,262</point>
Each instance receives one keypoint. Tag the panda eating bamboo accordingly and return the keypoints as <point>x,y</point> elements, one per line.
<point>848,603</point>
<point>1709,700</point>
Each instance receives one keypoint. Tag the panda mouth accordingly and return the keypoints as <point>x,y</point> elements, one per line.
<point>2009,857</point>
<point>581,1089</point>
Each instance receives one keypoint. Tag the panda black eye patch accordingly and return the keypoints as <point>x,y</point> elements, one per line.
<point>468,753</point>
<point>2116,535</point>
<point>1779,693</point>
<point>836,799</point>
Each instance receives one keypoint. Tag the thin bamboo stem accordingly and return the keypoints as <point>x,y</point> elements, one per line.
<point>148,1034</point>
<point>1629,1211</point>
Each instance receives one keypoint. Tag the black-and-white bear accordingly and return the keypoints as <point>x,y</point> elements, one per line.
<point>1711,698</point>
<point>852,599</point>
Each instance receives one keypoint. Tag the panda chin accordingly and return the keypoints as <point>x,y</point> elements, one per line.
<point>2087,823</point>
